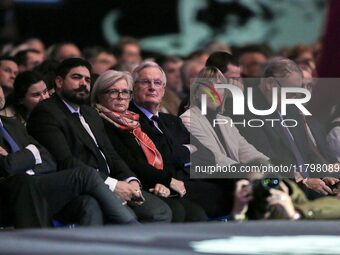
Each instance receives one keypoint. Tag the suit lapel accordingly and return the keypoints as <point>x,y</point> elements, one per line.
<point>93,126</point>
<point>11,129</point>
<point>276,131</point>
<point>146,123</point>
<point>80,132</point>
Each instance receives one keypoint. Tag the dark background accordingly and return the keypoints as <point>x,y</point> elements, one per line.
<point>80,21</point>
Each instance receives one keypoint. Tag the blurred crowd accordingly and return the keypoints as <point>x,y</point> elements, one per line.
<point>101,135</point>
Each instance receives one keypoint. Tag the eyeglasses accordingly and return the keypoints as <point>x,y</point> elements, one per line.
<point>290,95</point>
<point>114,93</point>
<point>146,82</point>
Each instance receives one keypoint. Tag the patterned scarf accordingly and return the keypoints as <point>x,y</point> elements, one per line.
<point>129,122</point>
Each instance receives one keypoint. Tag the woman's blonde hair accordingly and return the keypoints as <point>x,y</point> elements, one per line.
<point>106,80</point>
<point>207,76</point>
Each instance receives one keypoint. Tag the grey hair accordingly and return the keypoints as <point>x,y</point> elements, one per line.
<point>280,67</point>
<point>107,79</point>
<point>146,64</point>
<point>209,74</point>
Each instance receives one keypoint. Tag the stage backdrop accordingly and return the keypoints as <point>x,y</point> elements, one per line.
<point>172,26</point>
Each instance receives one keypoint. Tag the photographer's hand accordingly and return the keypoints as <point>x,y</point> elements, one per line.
<point>242,196</point>
<point>283,203</point>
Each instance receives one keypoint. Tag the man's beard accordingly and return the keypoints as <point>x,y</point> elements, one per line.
<point>73,95</point>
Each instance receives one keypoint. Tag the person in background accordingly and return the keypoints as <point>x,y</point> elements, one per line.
<point>101,59</point>
<point>252,59</point>
<point>36,44</point>
<point>303,55</point>
<point>29,90</point>
<point>174,87</point>
<point>62,51</point>
<point>189,70</point>
<point>28,59</point>
<point>8,72</point>
<point>129,55</point>
<point>47,70</point>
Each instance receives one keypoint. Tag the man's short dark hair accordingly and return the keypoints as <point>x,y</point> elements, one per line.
<point>21,56</point>
<point>24,81</point>
<point>123,42</point>
<point>253,48</point>
<point>7,58</point>
<point>93,52</point>
<point>66,65</point>
<point>221,60</point>
<point>169,59</point>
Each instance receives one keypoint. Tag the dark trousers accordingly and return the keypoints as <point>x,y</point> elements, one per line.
<point>48,194</point>
<point>184,210</point>
<point>152,210</point>
<point>83,210</point>
<point>214,196</point>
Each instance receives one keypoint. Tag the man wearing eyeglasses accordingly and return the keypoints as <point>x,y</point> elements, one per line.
<point>149,89</point>
<point>285,145</point>
<point>169,134</point>
<point>75,135</point>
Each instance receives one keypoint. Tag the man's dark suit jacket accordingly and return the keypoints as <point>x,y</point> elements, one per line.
<point>61,132</point>
<point>15,165</point>
<point>271,140</point>
<point>211,196</point>
<point>128,148</point>
<point>170,143</point>
<point>19,162</point>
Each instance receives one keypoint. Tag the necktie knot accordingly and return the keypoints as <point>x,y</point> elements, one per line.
<point>76,114</point>
<point>155,118</point>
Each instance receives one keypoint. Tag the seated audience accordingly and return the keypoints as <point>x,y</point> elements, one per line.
<point>111,95</point>
<point>31,191</point>
<point>227,145</point>
<point>174,142</point>
<point>80,139</point>
<point>285,145</point>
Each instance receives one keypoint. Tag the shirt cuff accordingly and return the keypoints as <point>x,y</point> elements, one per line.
<point>130,179</point>
<point>32,148</point>
<point>111,183</point>
<point>191,148</point>
<point>30,172</point>
<point>298,177</point>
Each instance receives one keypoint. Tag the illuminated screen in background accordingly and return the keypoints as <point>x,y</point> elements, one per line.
<point>173,26</point>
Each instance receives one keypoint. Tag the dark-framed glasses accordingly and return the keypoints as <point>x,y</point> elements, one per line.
<point>291,95</point>
<point>148,82</point>
<point>114,93</point>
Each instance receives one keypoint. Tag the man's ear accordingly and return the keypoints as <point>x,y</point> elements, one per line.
<point>269,83</point>
<point>59,82</point>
